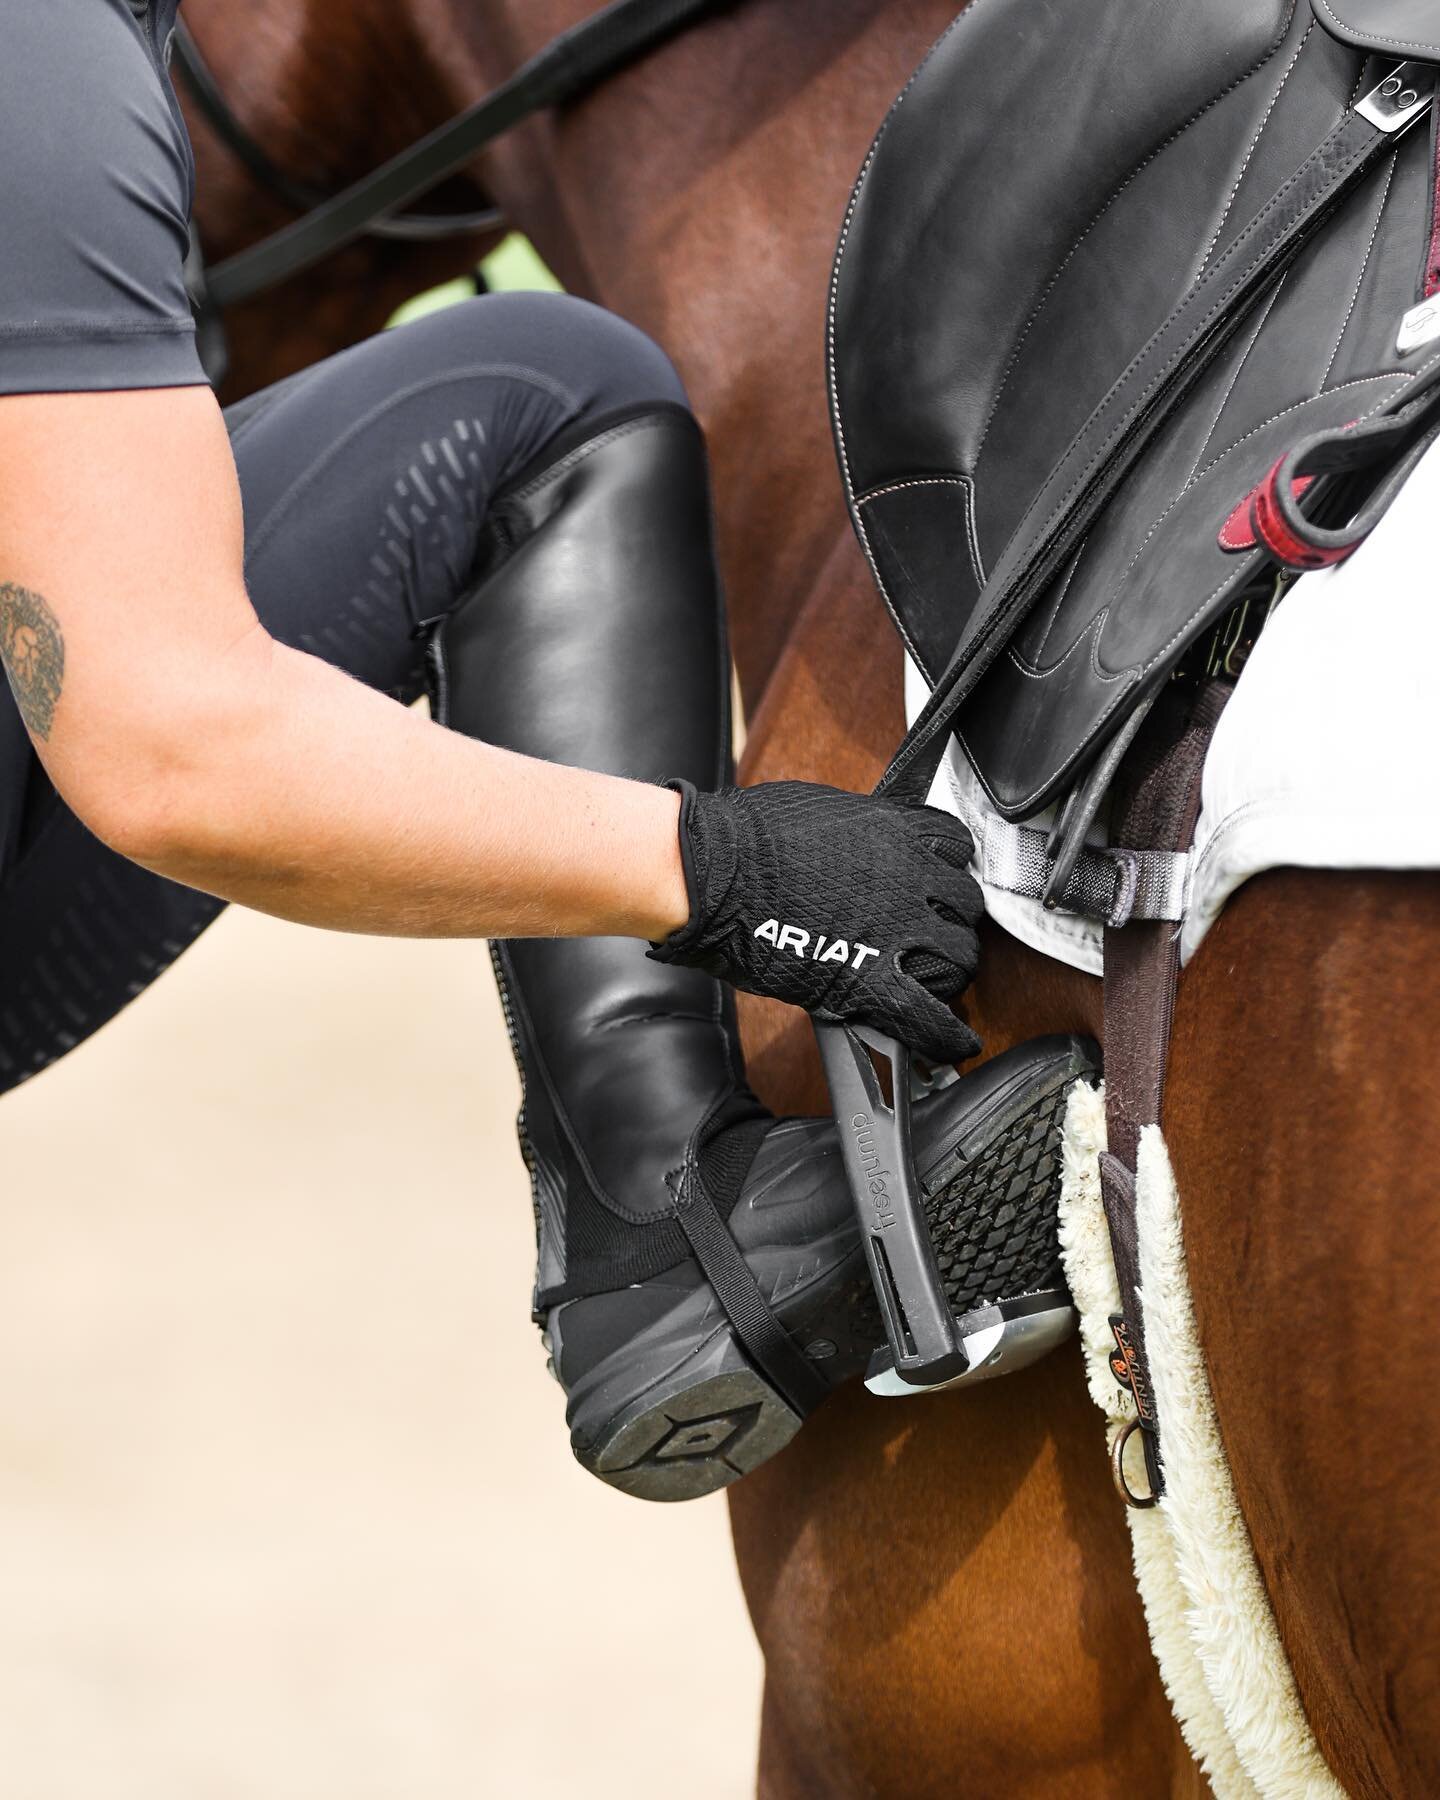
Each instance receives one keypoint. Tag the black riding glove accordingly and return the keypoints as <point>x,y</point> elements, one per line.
<point>860,910</point>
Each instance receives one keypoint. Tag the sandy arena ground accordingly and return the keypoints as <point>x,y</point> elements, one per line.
<point>286,1506</point>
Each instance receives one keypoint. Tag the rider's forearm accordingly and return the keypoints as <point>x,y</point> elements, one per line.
<point>313,798</point>
<point>187,738</point>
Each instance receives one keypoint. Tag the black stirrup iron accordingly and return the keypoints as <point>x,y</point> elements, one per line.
<point>879,1164</point>
<point>927,1346</point>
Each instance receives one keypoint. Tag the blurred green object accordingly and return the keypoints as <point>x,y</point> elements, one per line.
<point>515,264</point>
<point>447,295</point>
<point>511,266</point>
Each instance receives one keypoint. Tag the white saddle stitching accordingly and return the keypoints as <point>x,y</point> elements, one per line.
<point>1100,213</point>
<point>1360,278</point>
<point>1231,385</point>
<point>1389,43</point>
<point>1253,146</point>
<point>961,481</point>
<point>841,446</point>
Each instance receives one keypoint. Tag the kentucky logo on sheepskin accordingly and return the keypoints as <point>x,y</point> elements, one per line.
<point>791,937</point>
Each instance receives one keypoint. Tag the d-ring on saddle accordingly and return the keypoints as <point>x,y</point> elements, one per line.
<point>1135,313</point>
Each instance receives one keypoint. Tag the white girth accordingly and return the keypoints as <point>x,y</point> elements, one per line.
<point>1324,758</point>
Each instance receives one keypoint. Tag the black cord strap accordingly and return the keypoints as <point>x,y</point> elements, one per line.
<point>571,65</point>
<point>302,196</point>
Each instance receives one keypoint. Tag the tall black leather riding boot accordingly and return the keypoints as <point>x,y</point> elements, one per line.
<point>699,1280</point>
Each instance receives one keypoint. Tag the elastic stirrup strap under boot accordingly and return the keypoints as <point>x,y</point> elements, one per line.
<point>765,1340</point>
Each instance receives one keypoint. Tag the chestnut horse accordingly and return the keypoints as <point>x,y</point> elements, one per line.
<point>942,1587</point>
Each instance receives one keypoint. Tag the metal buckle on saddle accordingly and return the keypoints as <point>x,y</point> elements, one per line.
<point>927,1346</point>
<point>1399,100</point>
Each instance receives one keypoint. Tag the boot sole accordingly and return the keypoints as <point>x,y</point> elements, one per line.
<point>705,1416</point>
<point>703,1436</point>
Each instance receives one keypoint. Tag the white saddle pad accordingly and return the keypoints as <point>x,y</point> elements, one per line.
<point>1326,756</point>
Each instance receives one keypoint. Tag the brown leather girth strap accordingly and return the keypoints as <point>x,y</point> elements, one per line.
<point>1157,802</point>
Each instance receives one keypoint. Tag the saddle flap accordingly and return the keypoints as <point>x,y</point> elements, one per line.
<point>1044,413</point>
<point>1386,27</point>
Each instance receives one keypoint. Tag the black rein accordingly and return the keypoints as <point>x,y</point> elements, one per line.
<point>300,196</point>
<point>570,66</point>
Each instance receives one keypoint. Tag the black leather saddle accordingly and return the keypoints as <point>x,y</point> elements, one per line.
<point>1108,263</point>
<point>1136,310</point>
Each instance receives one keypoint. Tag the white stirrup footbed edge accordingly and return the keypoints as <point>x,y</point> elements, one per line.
<point>1211,1625</point>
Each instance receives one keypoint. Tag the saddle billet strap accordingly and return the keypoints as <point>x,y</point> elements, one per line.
<point>1158,808</point>
<point>1158,377</point>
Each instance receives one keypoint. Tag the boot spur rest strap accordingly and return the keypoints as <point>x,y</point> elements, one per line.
<point>766,1341</point>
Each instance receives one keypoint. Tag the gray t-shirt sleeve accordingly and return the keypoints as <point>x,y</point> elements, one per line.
<point>94,200</point>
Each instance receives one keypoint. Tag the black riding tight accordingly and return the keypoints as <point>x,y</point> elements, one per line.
<point>366,481</point>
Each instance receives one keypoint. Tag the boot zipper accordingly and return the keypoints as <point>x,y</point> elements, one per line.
<point>527,1149</point>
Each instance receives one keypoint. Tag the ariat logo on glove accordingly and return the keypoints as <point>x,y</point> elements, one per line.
<point>791,937</point>
<point>791,849</point>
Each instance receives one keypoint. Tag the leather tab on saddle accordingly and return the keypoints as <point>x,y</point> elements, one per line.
<point>1129,1363</point>
<point>1356,469</point>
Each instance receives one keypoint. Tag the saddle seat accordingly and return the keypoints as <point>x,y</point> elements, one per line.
<point>1070,340</point>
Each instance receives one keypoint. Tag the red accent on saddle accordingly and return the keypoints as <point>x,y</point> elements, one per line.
<point>1268,523</point>
<point>1432,260</point>
<point>1238,532</point>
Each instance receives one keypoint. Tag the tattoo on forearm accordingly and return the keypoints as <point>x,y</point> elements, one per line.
<point>34,652</point>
